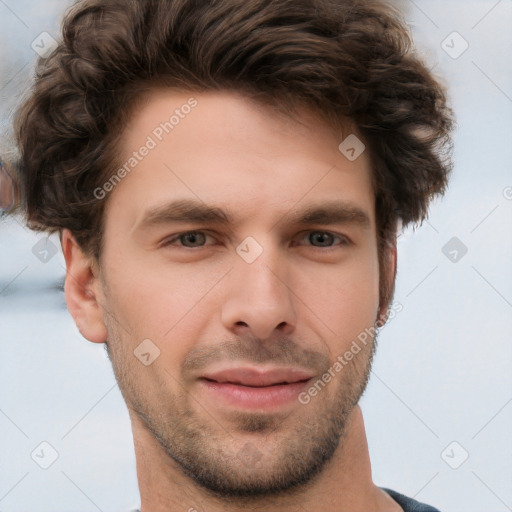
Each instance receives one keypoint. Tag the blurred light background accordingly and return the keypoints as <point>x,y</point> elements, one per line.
<point>438,408</point>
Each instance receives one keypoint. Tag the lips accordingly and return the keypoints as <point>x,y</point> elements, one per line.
<point>253,377</point>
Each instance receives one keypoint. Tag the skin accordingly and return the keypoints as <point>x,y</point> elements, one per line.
<point>301,302</point>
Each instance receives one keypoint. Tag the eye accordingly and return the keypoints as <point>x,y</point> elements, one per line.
<point>189,239</point>
<point>325,239</point>
<point>319,239</point>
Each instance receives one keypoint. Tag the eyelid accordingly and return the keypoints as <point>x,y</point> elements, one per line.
<point>343,238</point>
<point>173,238</point>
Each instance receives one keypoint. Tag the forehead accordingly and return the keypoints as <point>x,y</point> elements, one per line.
<point>221,148</point>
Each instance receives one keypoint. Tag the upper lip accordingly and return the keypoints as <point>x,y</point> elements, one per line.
<point>259,377</point>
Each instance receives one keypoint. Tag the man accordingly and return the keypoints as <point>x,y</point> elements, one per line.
<point>227,179</point>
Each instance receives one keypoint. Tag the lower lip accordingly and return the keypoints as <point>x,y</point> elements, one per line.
<point>269,397</point>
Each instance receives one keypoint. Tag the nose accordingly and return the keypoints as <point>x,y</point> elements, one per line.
<point>258,298</point>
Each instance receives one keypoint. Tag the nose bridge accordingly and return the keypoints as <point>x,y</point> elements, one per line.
<point>259,298</point>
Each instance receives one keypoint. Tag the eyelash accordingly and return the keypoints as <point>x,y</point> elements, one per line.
<point>344,240</point>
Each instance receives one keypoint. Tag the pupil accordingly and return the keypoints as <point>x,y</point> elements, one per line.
<point>192,238</point>
<point>322,235</point>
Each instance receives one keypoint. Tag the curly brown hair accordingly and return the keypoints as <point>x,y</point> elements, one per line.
<point>347,59</point>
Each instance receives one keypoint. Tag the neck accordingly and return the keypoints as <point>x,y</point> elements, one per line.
<point>344,485</point>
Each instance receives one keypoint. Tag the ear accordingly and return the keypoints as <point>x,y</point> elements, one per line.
<point>388,277</point>
<point>83,291</point>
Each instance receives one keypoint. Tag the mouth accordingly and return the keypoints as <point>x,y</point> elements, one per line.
<point>250,389</point>
<point>258,378</point>
<point>253,385</point>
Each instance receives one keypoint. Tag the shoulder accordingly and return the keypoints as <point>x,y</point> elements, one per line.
<point>409,504</point>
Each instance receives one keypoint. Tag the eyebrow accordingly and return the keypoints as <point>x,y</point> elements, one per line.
<point>195,211</point>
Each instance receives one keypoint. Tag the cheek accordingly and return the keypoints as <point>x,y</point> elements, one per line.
<point>160,303</point>
<point>344,300</point>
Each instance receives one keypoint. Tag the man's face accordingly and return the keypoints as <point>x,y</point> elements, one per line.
<point>260,291</point>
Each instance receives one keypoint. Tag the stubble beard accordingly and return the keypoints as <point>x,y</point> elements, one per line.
<point>253,456</point>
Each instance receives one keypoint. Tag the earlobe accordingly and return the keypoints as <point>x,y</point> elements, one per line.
<point>83,290</point>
